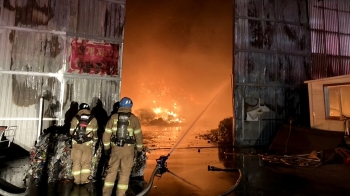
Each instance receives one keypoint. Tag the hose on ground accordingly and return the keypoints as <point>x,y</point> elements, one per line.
<point>294,160</point>
<point>149,186</point>
<point>213,168</point>
<point>234,186</point>
<point>7,189</point>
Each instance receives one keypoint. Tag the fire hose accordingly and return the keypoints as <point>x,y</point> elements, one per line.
<point>161,166</point>
<point>213,168</point>
<point>7,189</point>
<point>302,160</point>
<point>295,160</point>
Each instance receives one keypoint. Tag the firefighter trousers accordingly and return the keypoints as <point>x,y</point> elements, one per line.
<point>81,156</point>
<point>122,159</point>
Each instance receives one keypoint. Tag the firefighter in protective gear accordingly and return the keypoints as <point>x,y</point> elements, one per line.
<point>122,134</point>
<point>83,130</point>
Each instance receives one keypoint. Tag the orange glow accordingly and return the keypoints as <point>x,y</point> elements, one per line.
<point>167,115</point>
<point>160,98</point>
<point>173,70</point>
<point>157,110</point>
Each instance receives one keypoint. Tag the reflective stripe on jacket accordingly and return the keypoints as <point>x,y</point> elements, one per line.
<point>92,127</point>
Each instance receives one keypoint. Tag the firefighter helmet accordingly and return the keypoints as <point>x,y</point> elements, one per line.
<point>83,106</point>
<point>125,102</point>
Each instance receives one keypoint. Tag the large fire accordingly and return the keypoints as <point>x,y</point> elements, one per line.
<point>164,102</point>
<point>167,114</point>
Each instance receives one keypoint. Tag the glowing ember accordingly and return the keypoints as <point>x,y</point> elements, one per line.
<point>166,114</point>
<point>164,102</point>
<point>157,110</point>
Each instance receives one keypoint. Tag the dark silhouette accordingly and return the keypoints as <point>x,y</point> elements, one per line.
<point>69,115</point>
<point>99,113</point>
<point>115,109</point>
<point>101,116</point>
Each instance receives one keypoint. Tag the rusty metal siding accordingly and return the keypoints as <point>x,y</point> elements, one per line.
<point>272,60</point>
<point>85,90</point>
<point>330,36</point>
<point>19,103</point>
<point>92,17</point>
<point>35,37</point>
<point>24,92</point>
<point>98,18</point>
<point>33,52</point>
<point>81,18</point>
<point>36,14</point>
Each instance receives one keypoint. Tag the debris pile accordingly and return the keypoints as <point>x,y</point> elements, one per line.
<point>60,163</point>
<point>51,157</point>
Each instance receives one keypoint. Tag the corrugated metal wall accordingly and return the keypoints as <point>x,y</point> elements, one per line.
<point>271,62</point>
<point>35,43</point>
<point>330,36</point>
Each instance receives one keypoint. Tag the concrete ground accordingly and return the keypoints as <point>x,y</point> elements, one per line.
<point>188,174</point>
<point>263,178</point>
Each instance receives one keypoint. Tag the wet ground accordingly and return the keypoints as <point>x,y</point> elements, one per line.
<point>188,163</point>
<point>189,175</point>
<point>261,178</point>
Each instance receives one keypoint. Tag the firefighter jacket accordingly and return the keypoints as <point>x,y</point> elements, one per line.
<point>134,129</point>
<point>91,129</point>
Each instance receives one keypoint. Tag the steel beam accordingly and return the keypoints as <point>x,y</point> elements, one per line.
<point>27,119</point>
<point>332,9</point>
<point>32,30</point>
<point>41,114</point>
<point>72,34</point>
<point>325,31</point>
<point>265,85</point>
<point>60,75</point>
<point>270,52</point>
<point>80,76</point>
<point>122,2</point>
<point>109,39</point>
<point>120,70</point>
<point>271,20</point>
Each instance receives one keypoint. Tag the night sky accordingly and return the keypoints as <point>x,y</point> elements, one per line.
<point>179,51</point>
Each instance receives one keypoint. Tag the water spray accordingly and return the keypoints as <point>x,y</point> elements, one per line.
<point>161,166</point>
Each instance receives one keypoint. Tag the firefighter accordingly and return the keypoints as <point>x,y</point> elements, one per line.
<point>122,134</point>
<point>83,130</point>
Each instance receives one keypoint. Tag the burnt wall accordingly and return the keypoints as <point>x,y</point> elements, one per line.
<point>271,62</point>
<point>330,36</point>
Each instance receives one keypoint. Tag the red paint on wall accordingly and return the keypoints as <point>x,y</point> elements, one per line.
<point>93,58</point>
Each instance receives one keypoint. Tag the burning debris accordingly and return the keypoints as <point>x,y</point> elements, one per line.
<point>164,104</point>
<point>158,116</point>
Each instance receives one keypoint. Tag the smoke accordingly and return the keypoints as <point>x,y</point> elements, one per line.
<point>185,47</point>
